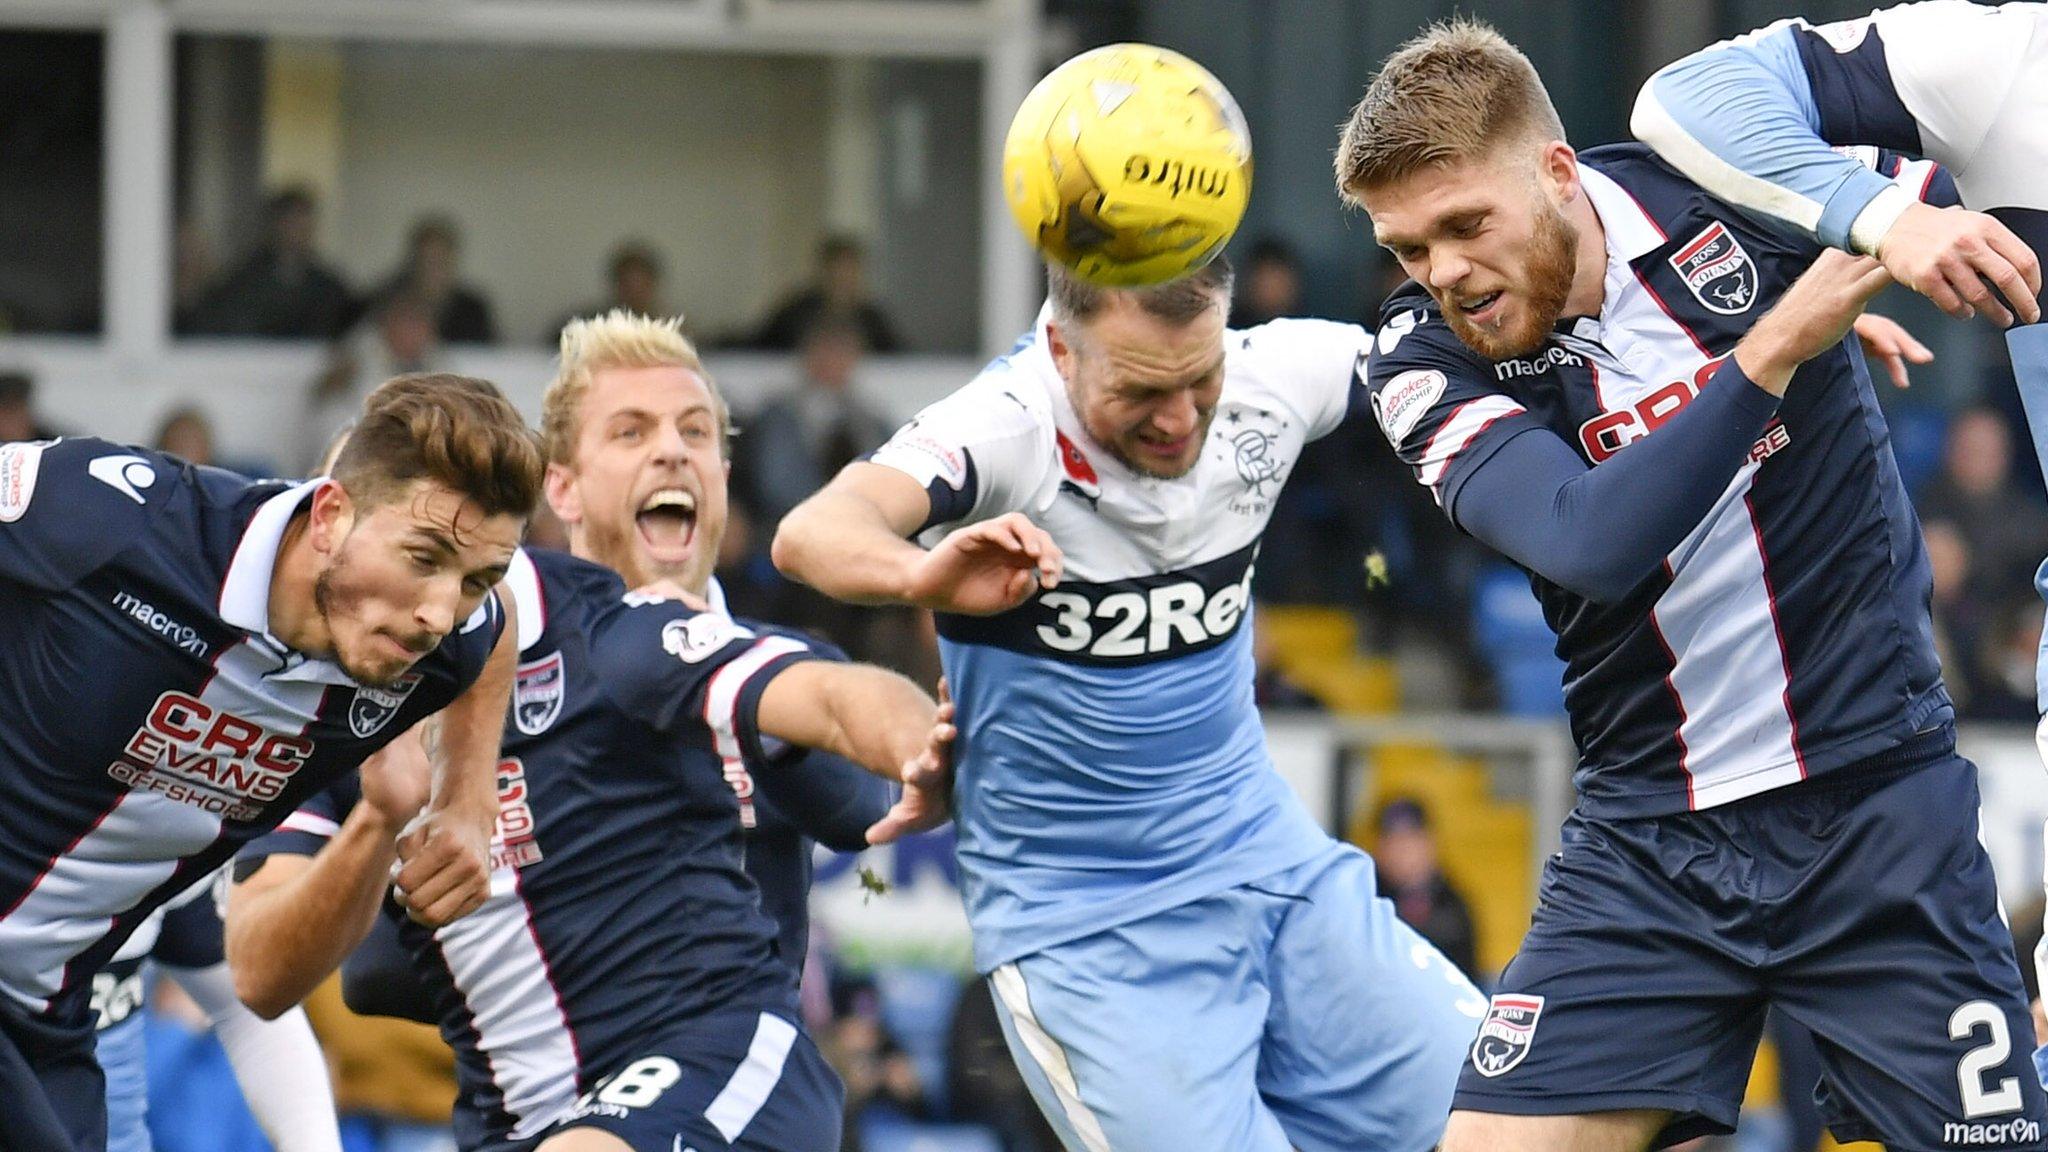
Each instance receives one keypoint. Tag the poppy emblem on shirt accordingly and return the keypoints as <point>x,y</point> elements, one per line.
<point>373,708</point>
<point>1076,472</point>
<point>537,693</point>
<point>1717,271</point>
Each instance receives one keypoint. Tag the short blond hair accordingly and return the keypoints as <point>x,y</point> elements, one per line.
<point>617,339</point>
<point>1447,96</point>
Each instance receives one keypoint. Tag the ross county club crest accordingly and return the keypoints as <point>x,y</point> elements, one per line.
<point>373,708</point>
<point>1506,1033</point>
<point>537,693</point>
<point>1716,270</point>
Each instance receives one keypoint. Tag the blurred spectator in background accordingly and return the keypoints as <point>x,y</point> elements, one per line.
<point>394,1080</point>
<point>430,271</point>
<point>803,437</point>
<point>839,293</point>
<point>2008,650</point>
<point>983,1083</point>
<point>1271,286</point>
<point>18,419</point>
<point>1409,876</point>
<point>876,1069</point>
<point>283,289</point>
<point>787,450</point>
<point>635,276</point>
<point>187,432</point>
<point>1271,687</point>
<point>192,274</point>
<point>1959,617</point>
<point>400,340</point>
<point>2005,530</point>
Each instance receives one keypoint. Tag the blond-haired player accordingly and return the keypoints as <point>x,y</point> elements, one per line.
<point>623,988</point>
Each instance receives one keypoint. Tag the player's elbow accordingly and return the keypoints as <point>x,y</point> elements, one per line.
<point>1648,120</point>
<point>1601,581</point>
<point>786,549</point>
<point>261,992</point>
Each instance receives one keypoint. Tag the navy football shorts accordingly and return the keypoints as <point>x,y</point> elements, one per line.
<point>744,1080</point>
<point>1859,904</point>
<point>52,1095</point>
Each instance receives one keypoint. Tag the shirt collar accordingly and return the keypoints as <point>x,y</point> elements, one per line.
<point>524,580</point>
<point>1631,233</point>
<point>245,594</point>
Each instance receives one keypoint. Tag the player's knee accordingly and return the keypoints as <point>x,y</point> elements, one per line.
<point>1629,1131</point>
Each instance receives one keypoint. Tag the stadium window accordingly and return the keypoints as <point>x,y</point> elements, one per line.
<point>52,180</point>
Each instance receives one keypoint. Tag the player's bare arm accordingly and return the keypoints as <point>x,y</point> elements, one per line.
<point>877,719</point>
<point>1813,315</point>
<point>849,542</point>
<point>291,922</point>
<point>445,853</point>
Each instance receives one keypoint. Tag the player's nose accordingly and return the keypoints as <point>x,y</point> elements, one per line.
<point>1446,270</point>
<point>1177,415</point>
<point>435,614</point>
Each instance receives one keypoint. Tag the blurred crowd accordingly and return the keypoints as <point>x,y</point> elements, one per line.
<point>1352,529</point>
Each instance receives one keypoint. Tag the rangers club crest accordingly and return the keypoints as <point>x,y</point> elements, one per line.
<point>373,708</point>
<point>537,693</point>
<point>1716,270</point>
<point>1506,1033</point>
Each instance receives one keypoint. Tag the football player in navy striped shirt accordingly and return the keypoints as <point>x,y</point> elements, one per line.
<point>187,655</point>
<point>622,987</point>
<point>1644,398</point>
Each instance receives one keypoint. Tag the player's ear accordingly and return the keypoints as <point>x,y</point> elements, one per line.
<point>563,495</point>
<point>1062,351</point>
<point>1558,169</point>
<point>331,517</point>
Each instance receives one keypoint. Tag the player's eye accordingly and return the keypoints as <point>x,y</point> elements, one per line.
<point>422,562</point>
<point>1466,229</point>
<point>629,433</point>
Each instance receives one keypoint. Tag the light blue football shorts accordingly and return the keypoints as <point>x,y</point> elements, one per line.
<point>1295,1012</point>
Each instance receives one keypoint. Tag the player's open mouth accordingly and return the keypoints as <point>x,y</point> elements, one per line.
<point>668,524</point>
<point>1481,308</point>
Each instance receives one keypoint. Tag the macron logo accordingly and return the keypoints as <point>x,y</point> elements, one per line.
<point>124,474</point>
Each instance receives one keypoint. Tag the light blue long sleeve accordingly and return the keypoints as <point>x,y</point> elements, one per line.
<point>1740,119</point>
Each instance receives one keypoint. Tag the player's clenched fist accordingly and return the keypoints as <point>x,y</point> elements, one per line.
<point>987,567</point>
<point>444,866</point>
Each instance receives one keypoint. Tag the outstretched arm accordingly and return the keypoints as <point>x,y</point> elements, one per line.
<point>1600,531</point>
<point>849,542</point>
<point>1753,120</point>
<point>294,919</point>
<point>875,718</point>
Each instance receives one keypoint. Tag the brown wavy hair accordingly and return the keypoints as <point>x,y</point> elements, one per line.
<point>458,431</point>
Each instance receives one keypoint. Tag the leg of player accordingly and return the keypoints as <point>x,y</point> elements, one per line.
<point>1629,1131</point>
<point>1085,1023</point>
<point>1369,1023</point>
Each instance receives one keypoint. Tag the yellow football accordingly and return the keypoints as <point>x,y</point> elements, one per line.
<point>1129,164</point>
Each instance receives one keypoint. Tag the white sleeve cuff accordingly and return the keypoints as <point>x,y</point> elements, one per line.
<point>1877,218</point>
